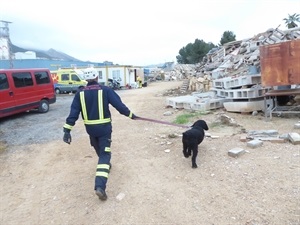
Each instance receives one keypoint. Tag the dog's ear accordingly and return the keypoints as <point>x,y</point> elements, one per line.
<point>204,125</point>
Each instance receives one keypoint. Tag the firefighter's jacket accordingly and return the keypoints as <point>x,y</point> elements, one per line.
<point>93,104</point>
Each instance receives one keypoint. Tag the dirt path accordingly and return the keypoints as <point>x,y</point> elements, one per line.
<point>45,181</point>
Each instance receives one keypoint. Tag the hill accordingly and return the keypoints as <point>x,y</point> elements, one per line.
<point>51,54</point>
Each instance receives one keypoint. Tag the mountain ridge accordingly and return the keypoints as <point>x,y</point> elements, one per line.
<point>50,54</point>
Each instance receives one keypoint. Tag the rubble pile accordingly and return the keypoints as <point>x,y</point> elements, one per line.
<point>232,72</point>
<point>242,57</point>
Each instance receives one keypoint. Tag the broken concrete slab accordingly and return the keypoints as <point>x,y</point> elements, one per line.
<point>294,138</point>
<point>255,143</point>
<point>235,82</point>
<point>236,152</point>
<point>272,139</point>
<point>177,102</point>
<point>263,132</point>
<point>204,105</point>
<point>245,106</point>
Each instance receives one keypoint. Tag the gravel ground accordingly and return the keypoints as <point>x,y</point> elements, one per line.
<point>36,128</point>
<point>45,181</point>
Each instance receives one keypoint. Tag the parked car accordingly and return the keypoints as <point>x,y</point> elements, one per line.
<point>25,89</point>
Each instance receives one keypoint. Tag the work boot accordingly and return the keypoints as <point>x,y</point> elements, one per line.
<point>101,194</point>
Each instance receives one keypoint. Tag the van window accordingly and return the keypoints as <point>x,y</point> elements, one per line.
<point>74,77</point>
<point>3,81</point>
<point>22,79</point>
<point>65,76</point>
<point>42,77</point>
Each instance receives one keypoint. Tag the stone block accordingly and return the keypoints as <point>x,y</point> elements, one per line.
<point>236,152</point>
<point>297,126</point>
<point>294,138</point>
<point>254,143</point>
<point>263,132</point>
<point>244,138</point>
<point>277,140</point>
<point>204,104</point>
<point>244,106</point>
<point>235,82</point>
<point>272,139</point>
<point>177,102</point>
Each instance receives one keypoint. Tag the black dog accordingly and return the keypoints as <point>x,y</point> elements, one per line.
<point>192,138</point>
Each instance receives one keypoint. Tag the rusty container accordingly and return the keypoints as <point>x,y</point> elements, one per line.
<point>280,63</point>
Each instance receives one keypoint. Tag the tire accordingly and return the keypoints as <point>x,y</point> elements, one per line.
<point>43,106</point>
<point>57,91</point>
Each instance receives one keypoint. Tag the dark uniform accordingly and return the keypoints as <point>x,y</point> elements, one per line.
<point>93,104</point>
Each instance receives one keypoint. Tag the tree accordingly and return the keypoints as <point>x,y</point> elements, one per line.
<point>194,52</point>
<point>228,36</point>
<point>292,20</point>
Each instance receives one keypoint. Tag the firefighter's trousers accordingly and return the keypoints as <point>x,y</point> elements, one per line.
<point>102,148</point>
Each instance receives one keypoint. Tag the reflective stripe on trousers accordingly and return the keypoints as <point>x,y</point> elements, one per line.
<point>102,148</point>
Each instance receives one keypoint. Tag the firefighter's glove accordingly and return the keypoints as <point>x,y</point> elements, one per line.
<point>67,136</point>
<point>134,117</point>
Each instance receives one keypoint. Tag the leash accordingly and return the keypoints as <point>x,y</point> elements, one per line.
<point>162,122</point>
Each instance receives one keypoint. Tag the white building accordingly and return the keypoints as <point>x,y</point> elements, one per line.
<point>25,55</point>
<point>125,75</point>
<point>4,50</point>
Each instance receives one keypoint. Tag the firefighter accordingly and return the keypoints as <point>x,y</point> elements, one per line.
<point>93,104</point>
<point>139,81</point>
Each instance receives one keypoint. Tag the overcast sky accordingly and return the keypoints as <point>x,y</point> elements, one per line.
<point>137,32</point>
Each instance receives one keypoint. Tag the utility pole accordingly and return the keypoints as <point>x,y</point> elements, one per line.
<point>4,33</point>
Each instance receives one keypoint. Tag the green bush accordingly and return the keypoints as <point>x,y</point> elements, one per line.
<point>185,118</point>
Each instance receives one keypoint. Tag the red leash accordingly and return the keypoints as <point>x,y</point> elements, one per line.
<point>162,122</point>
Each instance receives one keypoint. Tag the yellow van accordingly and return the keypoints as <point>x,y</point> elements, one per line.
<point>68,80</point>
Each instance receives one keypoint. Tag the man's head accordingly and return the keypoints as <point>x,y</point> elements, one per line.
<point>90,74</point>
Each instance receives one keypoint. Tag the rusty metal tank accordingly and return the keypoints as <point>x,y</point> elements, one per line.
<point>280,63</point>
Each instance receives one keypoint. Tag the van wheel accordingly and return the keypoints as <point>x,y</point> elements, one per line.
<point>44,106</point>
<point>57,91</point>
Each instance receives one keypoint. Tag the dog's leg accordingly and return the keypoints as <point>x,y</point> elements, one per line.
<point>195,153</point>
<point>189,152</point>
<point>185,150</point>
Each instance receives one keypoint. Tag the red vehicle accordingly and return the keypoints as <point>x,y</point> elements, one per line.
<point>25,89</point>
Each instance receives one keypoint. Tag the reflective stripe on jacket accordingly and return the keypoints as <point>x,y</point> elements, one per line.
<point>93,104</point>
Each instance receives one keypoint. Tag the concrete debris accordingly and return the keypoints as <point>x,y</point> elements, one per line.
<point>236,152</point>
<point>271,136</point>
<point>255,133</point>
<point>294,138</point>
<point>168,113</point>
<point>242,57</point>
<point>226,120</point>
<point>254,143</point>
<point>297,126</point>
<point>232,72</point>
<point>120,196</point>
